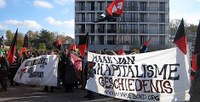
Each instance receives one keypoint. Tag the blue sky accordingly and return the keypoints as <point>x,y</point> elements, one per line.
<point>58,15</point>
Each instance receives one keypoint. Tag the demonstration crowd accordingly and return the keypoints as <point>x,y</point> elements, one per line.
<point>67,78</point>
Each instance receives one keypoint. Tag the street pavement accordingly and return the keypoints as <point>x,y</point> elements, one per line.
<point>26,93</point>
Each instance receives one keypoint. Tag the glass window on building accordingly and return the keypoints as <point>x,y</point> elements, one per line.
<point>111,28</point>
<point>80,6</point>
<point>134,28</point>
<point>92,39</point>
<point>100,39</point>
<point>143,6</point>
<point>80,17</point>
<point>134,17</point>
<point>90,6</point>
<point>111,39</point>
<point>122,28</point>
<point>143,28</point>
<point>101,28</point>
<point>134,6</point>
<point>80,28</point>
<point>162,40</point>
<point>101,5</point>
<point>90,28</point>
<point>143,17</point>
<point>134,39</point>
<point>162,29</point>
<point>120,39</point>
<point>124,39</point>
<point>127,39</point>
<point>129,28</point>
<point>90,17</point>
<point>162,17</point>
<point>143,39</point>
<point>128,17</point>
<point>162,6</point>
<point>123,17</point>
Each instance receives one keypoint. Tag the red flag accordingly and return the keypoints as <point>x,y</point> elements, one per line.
<point>120,51</point>
<point>83,44</point>
<point>143,49</point>
<point>25,45</point>
<point>77,64</point>
<point>23,50</point>
<point>72,47</point>
<point>116,8</point>
<point>180,39</point>
<point>194,62</point>
<point>58,44</point>
<point>12,49</point>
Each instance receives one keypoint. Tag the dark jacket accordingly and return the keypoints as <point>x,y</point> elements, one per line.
<point>69,76</point>
<point>4,64</point>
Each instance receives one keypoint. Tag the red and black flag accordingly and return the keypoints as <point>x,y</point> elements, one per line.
<point>180,38</point>
<point>143,49</point>
<point>12,49</point>
<point>59,44</point>
<point>25,45</point>
<point>115,9</point>
<point>83,44</point>
<point>195,55</point>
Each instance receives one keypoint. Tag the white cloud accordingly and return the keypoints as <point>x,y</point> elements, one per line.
<point>63,2</point>
<point>67,23</point>
<point>26,24</point>
<point>2,3</point>
<point>44,4</point>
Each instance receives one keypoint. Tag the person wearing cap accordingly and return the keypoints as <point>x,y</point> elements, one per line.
<point>4,64</point>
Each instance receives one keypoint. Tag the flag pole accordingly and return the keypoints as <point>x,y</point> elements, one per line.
<point>117,32</point>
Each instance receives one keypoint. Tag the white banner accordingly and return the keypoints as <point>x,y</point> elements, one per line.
<point>41,70</point>
<point>157,76</point>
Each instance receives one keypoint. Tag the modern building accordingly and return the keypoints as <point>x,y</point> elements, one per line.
<point>141,20</point>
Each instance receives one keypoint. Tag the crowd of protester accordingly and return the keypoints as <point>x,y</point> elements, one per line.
<point>67,78</point>
<point>66,74</point>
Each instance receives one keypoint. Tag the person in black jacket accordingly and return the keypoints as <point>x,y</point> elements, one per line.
<point>4,64</point>
<point>13,69</point>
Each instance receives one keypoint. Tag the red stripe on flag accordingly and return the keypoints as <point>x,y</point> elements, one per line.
<point>82,48</point>
<point>11,54</point>
<point>194,62</point>
<point>181,43</point>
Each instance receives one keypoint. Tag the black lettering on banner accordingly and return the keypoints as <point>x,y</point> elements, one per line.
<point>173,71</point>
<point>36,75</point>
<point>43,61</point>
<point>101,59</point>
<point>154,98</point>
<point>139,85</point>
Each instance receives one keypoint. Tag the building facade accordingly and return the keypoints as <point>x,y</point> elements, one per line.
<point>141,20</point>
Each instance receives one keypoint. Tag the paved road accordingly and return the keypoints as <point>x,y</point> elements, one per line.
<point>25,93</point>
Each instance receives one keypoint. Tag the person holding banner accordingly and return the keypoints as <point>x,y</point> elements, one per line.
<point>69,73</point>
<point>4,64</point>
